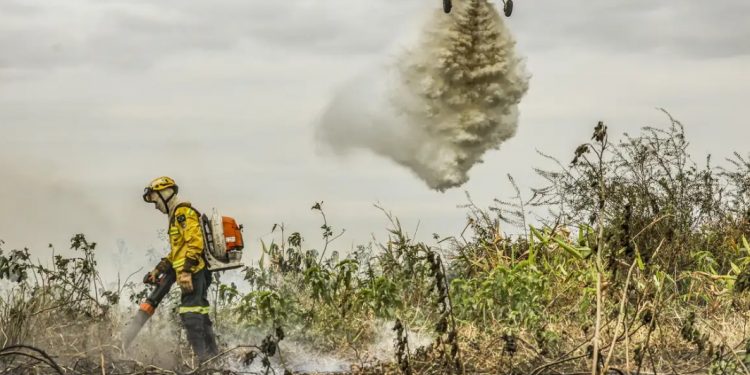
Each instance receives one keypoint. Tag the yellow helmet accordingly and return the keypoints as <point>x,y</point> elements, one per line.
<point>159,184</point>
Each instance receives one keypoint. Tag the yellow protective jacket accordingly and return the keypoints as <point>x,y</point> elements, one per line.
<point>185,240</point>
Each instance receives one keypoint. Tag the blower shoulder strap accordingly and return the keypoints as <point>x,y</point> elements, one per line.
<point>188,205</point>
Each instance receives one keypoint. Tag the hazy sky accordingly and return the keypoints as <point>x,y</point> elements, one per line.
<point>99,96</point>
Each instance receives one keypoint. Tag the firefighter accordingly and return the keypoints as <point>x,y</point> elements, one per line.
<point>186,260</point>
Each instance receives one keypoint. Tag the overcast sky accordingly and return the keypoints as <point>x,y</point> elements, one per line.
<point>97,97</point>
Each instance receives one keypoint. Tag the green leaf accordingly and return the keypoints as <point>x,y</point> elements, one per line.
<point>639,260</point>
<point>539,235</point>
<point>532,255</point>
<point>581,236</point>
<point>570,249</point>
<point>745,244</point>
<point>523,264</point>
<point>735,268</point>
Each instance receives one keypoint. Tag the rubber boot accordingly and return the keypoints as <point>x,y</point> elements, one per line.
<point>196,334</point>
<point>208,328</point>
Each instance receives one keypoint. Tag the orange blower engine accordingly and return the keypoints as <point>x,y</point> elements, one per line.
<point>224,243</point>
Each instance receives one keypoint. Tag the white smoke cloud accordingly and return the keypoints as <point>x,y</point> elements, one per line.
<point>443,105</point>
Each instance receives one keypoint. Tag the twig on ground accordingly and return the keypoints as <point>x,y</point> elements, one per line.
<point>13,350</point>
<point>201,365</point>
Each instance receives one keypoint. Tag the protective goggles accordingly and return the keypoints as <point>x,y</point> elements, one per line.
<point>147,196</point>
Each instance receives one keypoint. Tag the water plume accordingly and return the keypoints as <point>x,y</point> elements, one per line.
<point>442,105</point>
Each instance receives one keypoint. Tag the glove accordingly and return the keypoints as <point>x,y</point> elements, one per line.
<point>185,280</point>
<point>163,267</point>
<point>152,277</point>
<point>190,265</point>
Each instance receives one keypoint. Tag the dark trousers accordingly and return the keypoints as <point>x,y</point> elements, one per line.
<point>194,311</point>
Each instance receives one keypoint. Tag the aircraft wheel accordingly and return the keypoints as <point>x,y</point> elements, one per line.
<point>447,6</point>
<point>508,8</point>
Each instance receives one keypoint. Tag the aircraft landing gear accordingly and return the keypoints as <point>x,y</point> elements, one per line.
<point>508,7</point>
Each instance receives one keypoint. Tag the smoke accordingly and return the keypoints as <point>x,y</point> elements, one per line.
<point>442,105</point>
<point>383,349</point>
<point>38,206</point>
<point>301,358</point>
